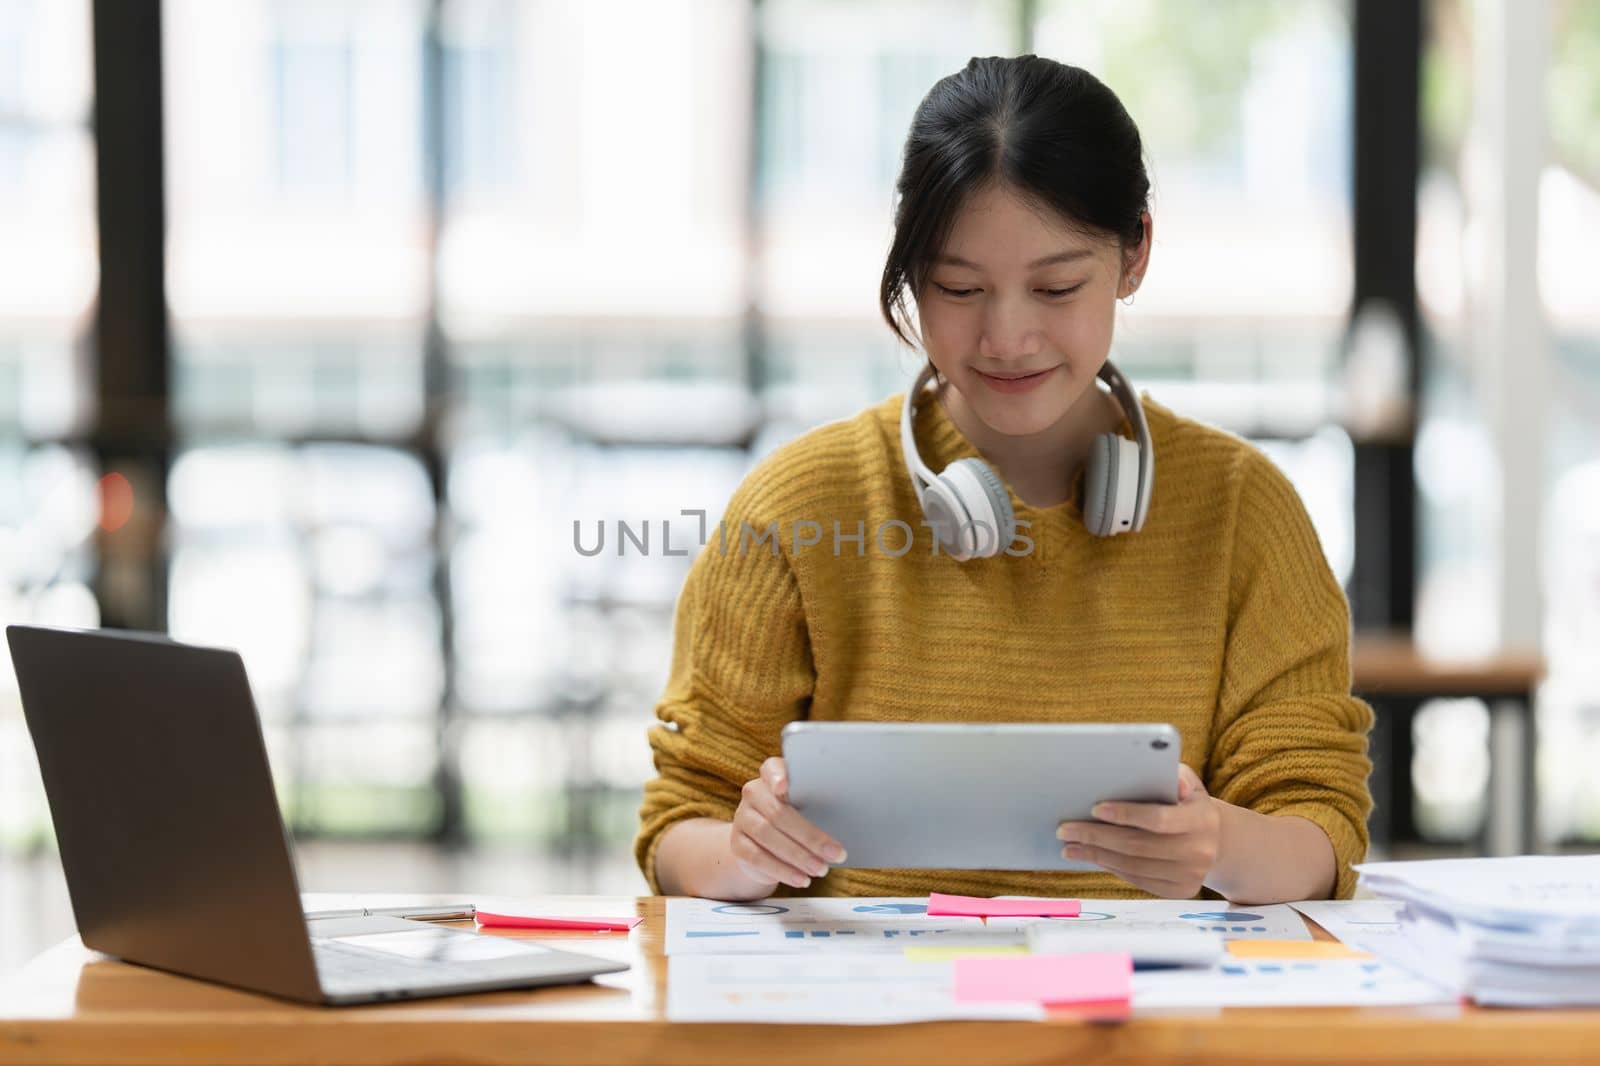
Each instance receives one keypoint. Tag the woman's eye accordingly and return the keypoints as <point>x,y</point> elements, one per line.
<point>961,293</point>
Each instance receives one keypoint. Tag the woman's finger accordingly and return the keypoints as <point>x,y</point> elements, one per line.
<point>761,866</point>
<point>795,825</point>
<point>1155,879</point>
<point>776,775</point>
<point>1120,862</point>
<point>767,795</point>
<point>759,827</point>
<point>768,802</point>
<point>760,862</point>
<point>1163,818</point>
<point>1137,842</point>
<point>1189,784</point>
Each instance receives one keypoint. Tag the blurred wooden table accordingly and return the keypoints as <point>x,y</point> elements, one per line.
<point>70,1005</point>
<point>1389,672</point>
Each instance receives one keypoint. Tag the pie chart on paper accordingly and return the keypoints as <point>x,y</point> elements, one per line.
<point>892,908</point>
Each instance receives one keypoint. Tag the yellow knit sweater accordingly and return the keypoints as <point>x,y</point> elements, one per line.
<point>1221,617</point>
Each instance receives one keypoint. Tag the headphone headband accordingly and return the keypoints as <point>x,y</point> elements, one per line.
<point>923,479</point>
<point>1129,402</point>
<point>920,474</point>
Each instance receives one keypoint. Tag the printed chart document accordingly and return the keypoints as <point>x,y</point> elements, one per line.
<point>1361,923</point>
<point>1237,982</point>
<point>836,989</point>
<point>1276,921</point>
<point>828,925</point>
<point>860,961</point>
<point>1147,949</point>
<point>817,926</point>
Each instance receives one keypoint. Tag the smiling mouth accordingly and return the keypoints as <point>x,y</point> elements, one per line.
<point>1016,377</point>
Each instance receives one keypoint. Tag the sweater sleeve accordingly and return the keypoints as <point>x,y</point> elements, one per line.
<point>741,670</point>
<point>1289,738</point>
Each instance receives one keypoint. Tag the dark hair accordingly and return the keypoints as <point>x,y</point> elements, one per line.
<point>1052,132</point>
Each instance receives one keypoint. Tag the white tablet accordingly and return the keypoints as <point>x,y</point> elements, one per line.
<point>965,796</point>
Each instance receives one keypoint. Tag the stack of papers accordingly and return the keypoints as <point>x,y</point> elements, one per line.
<point>1507,932</point>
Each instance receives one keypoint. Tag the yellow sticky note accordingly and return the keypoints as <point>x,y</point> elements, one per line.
<point>1293,949</point>
<point>944,953</point>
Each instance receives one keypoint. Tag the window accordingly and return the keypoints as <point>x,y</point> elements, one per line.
<point>313,131</point>
<point>302,513</point>
<point>1459,451</point>
<point>447,278</point>
<point>589,301</point>
<point>839,85</point>
<point>49,501</point>
<point>481,99</point>
<point>1244,111</point>
<point>1569,209</point>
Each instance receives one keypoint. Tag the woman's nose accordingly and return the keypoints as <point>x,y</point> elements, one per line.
<point>1009,332</point>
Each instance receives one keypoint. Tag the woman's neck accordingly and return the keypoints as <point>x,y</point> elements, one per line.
<point>1040,467</point>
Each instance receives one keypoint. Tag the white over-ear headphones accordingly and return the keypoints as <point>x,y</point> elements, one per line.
<point>970,510</point>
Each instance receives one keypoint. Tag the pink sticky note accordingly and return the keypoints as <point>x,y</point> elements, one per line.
<point>563,921</point>
<point>941,905</point>
<point>1046,979</point>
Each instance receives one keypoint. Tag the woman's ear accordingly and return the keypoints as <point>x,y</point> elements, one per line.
<point>1136,260</point>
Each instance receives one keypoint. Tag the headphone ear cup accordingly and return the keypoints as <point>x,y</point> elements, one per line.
<point>1111,489</point>
<point>1100,486</point>
<point>992,524</point>
<point>942,507</point>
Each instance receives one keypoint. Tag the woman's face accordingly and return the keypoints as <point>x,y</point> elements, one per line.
<point>1018,309</point>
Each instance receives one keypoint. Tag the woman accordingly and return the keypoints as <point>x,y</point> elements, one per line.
<point>1022,219</point>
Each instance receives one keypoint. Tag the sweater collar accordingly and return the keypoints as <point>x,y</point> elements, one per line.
<point>941,443</point>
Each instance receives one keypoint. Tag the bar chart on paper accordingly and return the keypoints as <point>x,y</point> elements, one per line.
<point>1274,921</point>
<point>1238,982</point>
<point>810,926</point>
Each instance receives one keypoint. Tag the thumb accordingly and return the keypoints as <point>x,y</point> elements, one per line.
<point>1189,783</point>
<point>777,775</point>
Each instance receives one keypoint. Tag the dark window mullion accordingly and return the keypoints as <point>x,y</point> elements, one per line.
<point>129,340</point>
<point>1387,138</point>
<point>436,117</point>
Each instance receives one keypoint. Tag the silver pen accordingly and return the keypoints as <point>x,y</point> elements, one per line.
<point>441,912</point>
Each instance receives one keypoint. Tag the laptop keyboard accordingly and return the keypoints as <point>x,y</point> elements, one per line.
<point>347,969</point>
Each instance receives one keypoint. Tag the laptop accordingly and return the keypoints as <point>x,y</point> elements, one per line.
<point>174,849</point>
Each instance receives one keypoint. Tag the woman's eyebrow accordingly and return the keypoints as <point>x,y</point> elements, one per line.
<point>1049,260</point>
<point>1061,257</point>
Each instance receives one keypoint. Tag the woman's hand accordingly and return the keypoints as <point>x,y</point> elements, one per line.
<point>1167,850</point>
<point>771,841</point>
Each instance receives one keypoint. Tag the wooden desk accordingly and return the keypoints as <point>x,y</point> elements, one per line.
<point>1389,672</point>
<point>70,1005</point>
